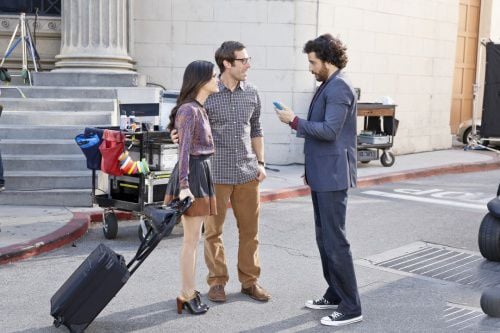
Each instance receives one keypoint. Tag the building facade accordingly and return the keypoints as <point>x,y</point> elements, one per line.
<point>411,51</point>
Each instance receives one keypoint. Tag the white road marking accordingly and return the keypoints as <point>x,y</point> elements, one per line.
<point>470,197</point>
<point>426,200</point>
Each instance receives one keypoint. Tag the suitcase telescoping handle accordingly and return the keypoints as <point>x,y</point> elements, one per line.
<point>185,204</point>
<point>151,240</point>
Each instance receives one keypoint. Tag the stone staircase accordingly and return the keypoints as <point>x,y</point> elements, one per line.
<point>42,163</point>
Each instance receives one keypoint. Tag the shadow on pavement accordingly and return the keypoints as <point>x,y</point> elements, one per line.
<point>293,322</point>
<point>136,319</point>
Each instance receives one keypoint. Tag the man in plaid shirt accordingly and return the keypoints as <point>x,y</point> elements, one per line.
<point>238,167</point>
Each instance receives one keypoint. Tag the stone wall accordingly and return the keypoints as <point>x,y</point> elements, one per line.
<point>405,50</point>
<point>398,48</point>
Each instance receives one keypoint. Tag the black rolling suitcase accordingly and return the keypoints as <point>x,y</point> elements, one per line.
<point>89,289</point>
<point>104,272</point>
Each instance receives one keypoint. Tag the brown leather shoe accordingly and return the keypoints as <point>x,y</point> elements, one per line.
<point>256,292</point>
<point>217,293</point>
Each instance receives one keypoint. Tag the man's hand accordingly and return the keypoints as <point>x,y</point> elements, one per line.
<point>184,193</point>
<point>261,173</point>
<point>286,115</point>
<point>174,136</point>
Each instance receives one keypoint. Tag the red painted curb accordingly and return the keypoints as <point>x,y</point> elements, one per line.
<point>286,193</point>
<point>368,181</point>
<point>428,172</point>
<point>80,222</point>
<point>71,231</point>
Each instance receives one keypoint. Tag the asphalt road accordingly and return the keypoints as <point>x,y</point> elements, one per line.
<point>438,214</point>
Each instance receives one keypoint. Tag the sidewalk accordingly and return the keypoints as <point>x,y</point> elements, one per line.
<point>28,231</point>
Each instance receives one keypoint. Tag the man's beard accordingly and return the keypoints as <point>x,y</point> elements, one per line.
<point>322,76</point>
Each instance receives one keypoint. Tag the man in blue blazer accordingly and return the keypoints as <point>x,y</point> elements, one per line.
<point>330,169</point>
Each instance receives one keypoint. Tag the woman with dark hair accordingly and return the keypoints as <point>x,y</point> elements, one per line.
<point>192,175</point>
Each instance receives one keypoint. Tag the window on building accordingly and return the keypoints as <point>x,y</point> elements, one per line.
<point>30,7</point>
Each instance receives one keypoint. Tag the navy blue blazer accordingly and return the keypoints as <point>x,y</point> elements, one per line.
<point>330,136</point>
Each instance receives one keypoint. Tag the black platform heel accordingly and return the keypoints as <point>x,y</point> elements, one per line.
<point>194,306</point>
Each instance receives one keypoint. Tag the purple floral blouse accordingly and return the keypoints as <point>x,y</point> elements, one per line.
<point>195,137</point>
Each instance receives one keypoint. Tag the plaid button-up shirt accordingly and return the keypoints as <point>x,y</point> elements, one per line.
<point>235,119</point>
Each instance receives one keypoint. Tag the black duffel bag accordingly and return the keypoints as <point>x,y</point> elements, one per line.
<point>164,218</point>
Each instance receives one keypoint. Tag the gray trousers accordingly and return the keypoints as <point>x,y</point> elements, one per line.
<point>334,250</point>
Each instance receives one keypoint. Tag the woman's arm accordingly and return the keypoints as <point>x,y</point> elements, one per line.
<point>185,124</point>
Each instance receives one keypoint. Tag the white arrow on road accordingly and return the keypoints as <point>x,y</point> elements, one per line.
<point>426,200</point>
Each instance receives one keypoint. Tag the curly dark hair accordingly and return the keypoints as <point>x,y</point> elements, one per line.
<point>328,49</point>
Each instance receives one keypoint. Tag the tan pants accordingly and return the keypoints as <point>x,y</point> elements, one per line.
<point>245,203</point>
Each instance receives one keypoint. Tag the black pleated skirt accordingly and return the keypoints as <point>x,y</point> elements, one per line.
<point>200,184</point>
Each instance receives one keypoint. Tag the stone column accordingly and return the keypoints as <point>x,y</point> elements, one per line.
<point>94,37</point>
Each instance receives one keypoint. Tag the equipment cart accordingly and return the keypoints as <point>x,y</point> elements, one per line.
<point>375,137</point>
<point>132,193</point>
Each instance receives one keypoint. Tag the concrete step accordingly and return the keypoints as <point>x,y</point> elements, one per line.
<point>45,162</point>
<point>43,165</point>
<point>56,118</point>
<point>16,79</point>
<point>89,79</point>
<point>50,104</point>
<point>39,147</point>
<point>58,92</point>
<point>59,197</point>
<point>41,132</point>
<point>47,180</point>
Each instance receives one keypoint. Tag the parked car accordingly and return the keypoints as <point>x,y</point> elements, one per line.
<point>464,133</point>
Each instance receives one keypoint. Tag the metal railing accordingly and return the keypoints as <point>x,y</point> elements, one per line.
<point>30,7</point>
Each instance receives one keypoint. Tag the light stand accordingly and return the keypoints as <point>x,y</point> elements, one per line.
<point>26,45</point>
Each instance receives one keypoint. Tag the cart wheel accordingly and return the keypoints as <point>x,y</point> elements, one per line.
<point>365,162</point>
<point>109,224</point>
<point>490,302</point>
<point>489,237</point>
<point>387,159</point>
<point>143,228</point>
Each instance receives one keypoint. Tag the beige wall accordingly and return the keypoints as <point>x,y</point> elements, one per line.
<point>495,20</point>
<point>406,50</point>
<point>401,49</point>
<point>489,28</point>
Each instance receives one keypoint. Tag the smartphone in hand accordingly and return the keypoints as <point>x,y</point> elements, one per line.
<point>278,106</point>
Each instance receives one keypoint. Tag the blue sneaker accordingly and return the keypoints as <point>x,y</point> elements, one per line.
<point>339,319</point>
